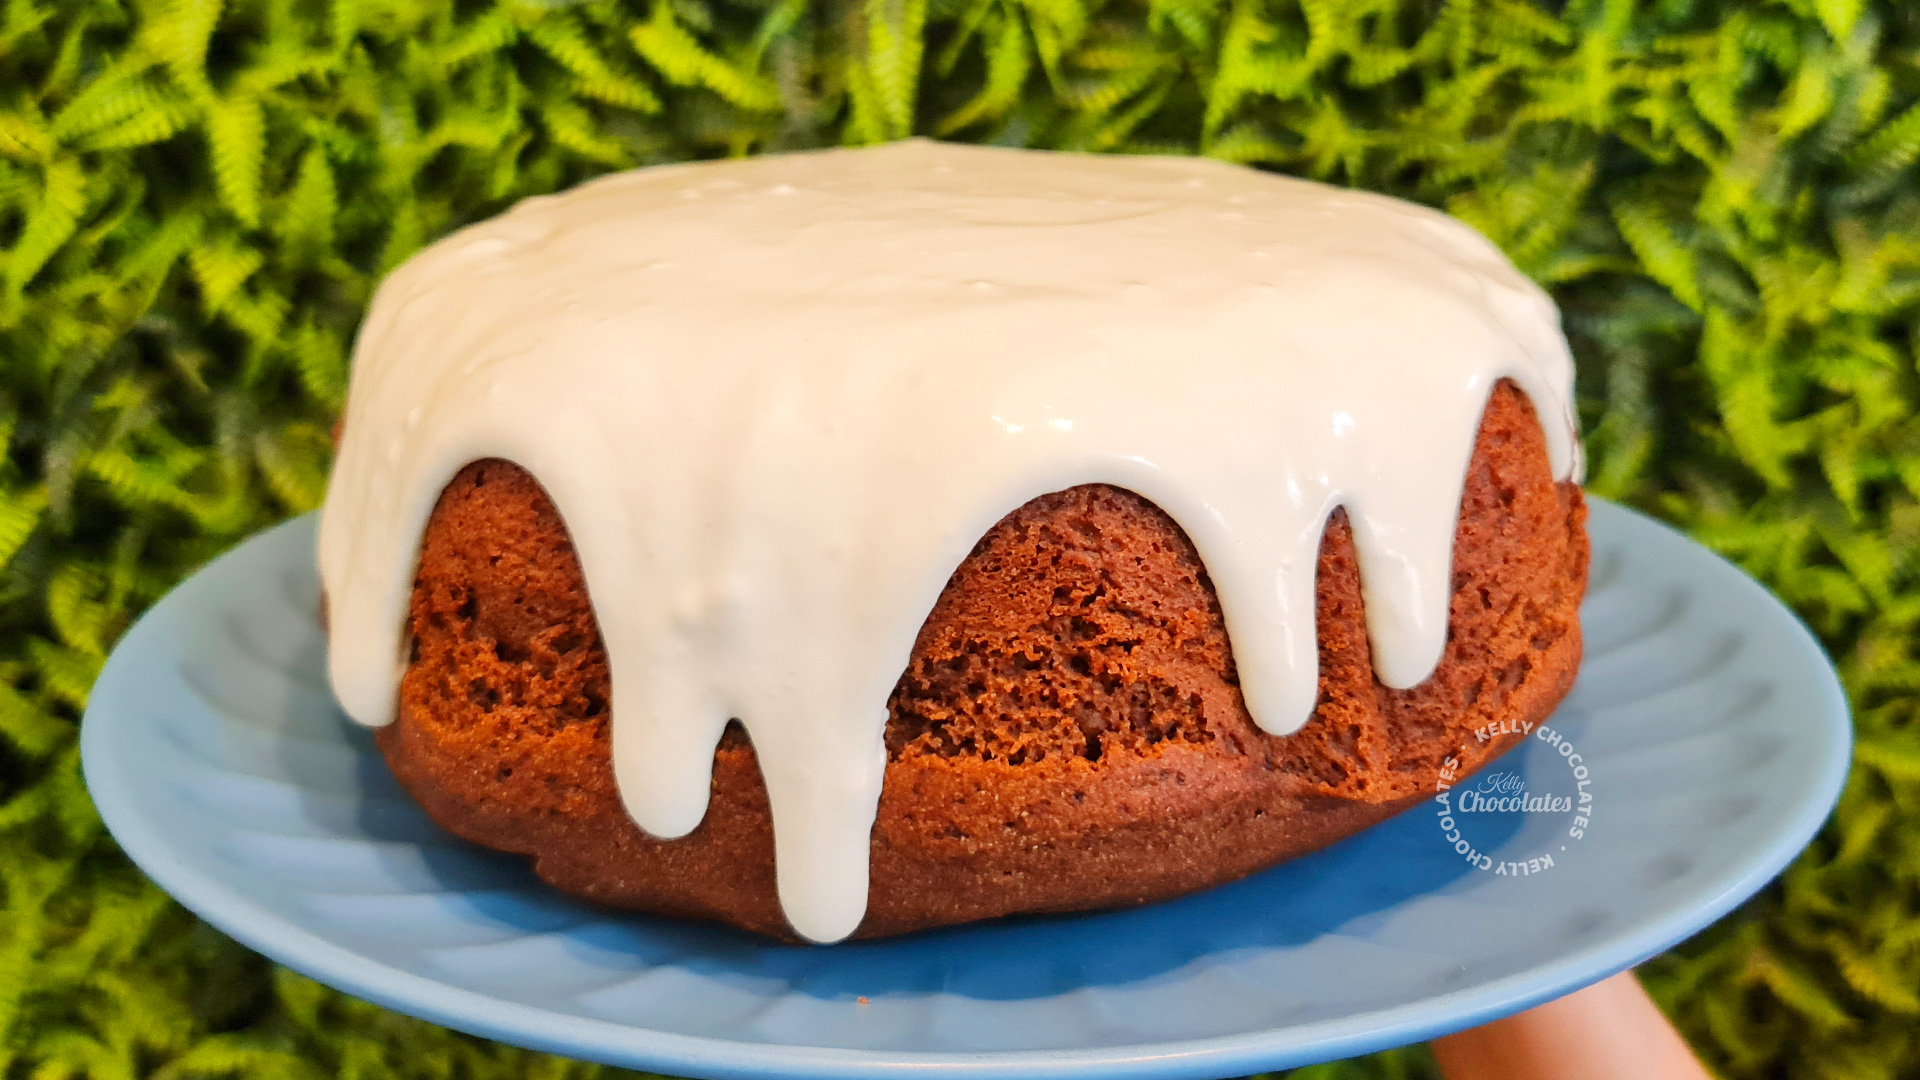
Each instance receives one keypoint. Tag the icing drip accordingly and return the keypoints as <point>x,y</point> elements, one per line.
<point>777,401</point>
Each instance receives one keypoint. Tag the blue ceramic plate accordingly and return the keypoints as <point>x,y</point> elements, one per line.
<point>1710,731</point>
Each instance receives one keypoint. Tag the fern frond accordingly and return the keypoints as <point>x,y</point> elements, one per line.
<point>168,116</point>
<point>30,729</point>
<point>220,268</point>
<point>1839,17</point>
<point>305,222</point>
<point>20,514</point>
<point>1893,147</point>
<point>622,93</point>
<point>894,44</point>
<point>236,137</point>
<point>571,126</point>
<point>294,460</point>
<point>1802,992</point>
<point>1875,978</point>
<point>486,35</point>
<point>560,38</point>
<point>682,61</point>
<point>1810,97</point>
<point>238,1056</point>
<point>79,619</point>
<point>1665,258</point>
<point>106,103</point>
<point>53,218</point>
<point>180,36</point>
<point>25,137</point>
<point>65,674</point>
<point>1009,61</point>
<point>1897,758</point>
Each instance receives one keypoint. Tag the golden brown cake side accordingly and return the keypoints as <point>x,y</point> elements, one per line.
<point>1068,734</point>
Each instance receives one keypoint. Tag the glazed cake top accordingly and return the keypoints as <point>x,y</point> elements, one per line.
<point>777,400</point>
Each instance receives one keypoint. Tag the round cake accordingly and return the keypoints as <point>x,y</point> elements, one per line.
<point>855,542</point>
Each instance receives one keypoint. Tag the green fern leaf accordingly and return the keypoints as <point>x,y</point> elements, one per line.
<point>1893,147</point>
<point>287,62</point>
<point>1009,62</point>
<point>20,514</point>
<point>1662,255</point>
<point>79,620</point>
<point>221,267</point>
<point>306,222</point>
<point>107,102</point>
<point>621,93</point>
<point>1810,97</point>
<point>1249,144</point>
<point>561,39</point>
<point>1737,363</point>
<point>322,365</point>
<point>404,237</point>
<point>486,35</point>
<point>141,481</point>
<point>1192,20</point>
<point>30,729</point>
<point>25,137</point>
<point>239,1056</point>
<point>1875,979</point>
<point>571,126</point>
<point>1897,758</point>
<point>1839,16</point>
<point>53,218</point>
<point>236,137</point>
<point>294,461</point>
<point>894,44</point>
<point>65,674</point>
<point>681,60</point>
<point>343,22</point>
<point>778,24</point>
<point>1802,992</point>
<point>181,36</point>
<point>168,116</point>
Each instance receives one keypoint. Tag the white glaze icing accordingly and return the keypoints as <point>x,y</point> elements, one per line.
<point>777,400</point>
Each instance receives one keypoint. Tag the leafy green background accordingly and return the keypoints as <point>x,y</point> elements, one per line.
<point>197,196</point>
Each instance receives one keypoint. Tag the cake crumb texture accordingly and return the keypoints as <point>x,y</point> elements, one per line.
<point>1068,733</point>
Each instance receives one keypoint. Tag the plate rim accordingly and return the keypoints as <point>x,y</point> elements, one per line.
<point>286,942</point>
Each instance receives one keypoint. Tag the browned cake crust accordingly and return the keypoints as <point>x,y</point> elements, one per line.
<point>1069,733</point>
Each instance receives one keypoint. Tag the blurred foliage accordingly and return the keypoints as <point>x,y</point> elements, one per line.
<point>196,198</point>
